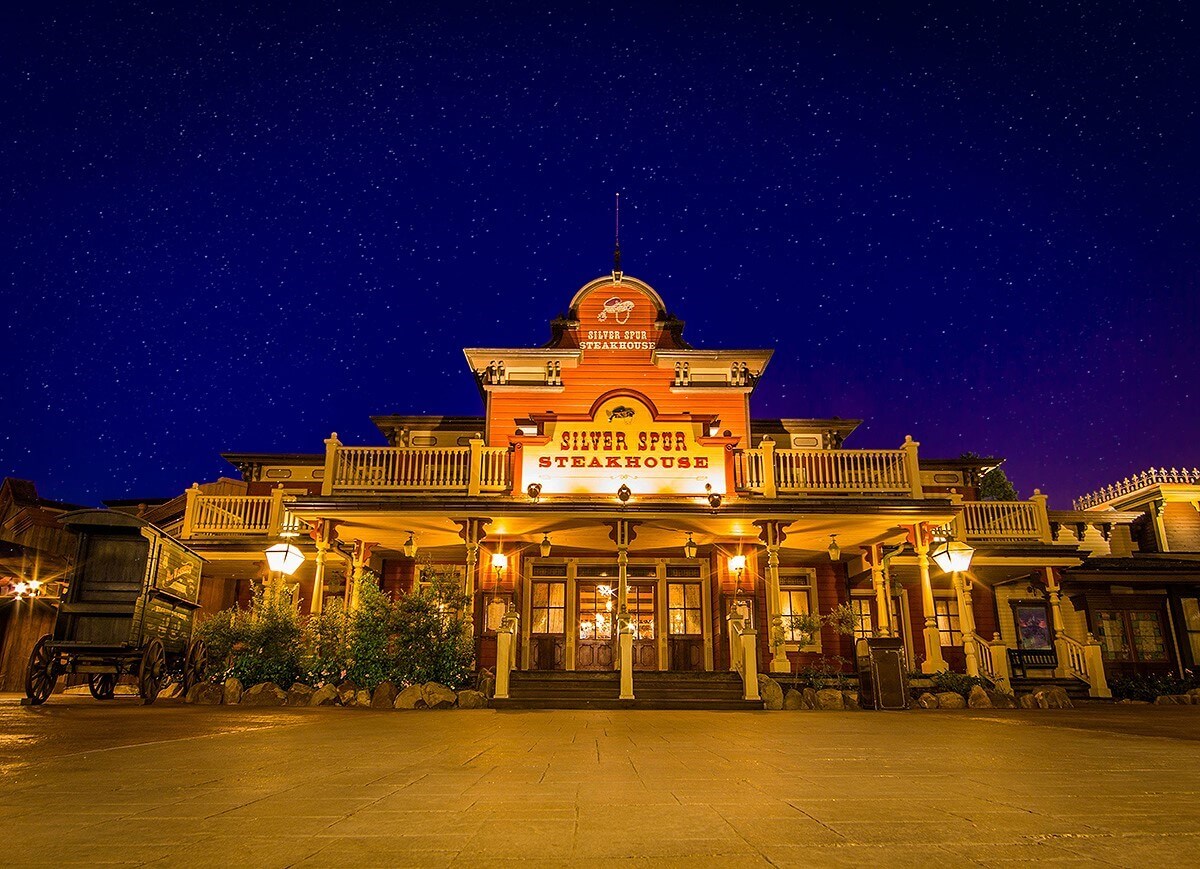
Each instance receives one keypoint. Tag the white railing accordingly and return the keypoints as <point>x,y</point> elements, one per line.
<point>751,470</point>
<point>231,514</point>
<point>841,471</point>
<point>506,653</point>
<point>1002,520</point>
<point>494,469</point>
<point>743,656</point>
<point>1152,477</point>
<point>1076,657</point>
<point>992,656</point>
<point>402,468</point>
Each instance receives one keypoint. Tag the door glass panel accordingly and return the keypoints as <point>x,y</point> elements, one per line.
<point>1148,636</point>
<point>547,609</point>
<point>596,612</point>
<point>864,626</point>
<point>641,611</point>
<point>683,608</point>
<point>1112,636</point>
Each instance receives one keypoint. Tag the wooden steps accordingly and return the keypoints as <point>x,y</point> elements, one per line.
<point>601,690</point>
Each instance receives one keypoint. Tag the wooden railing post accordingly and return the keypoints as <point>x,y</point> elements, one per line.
<point>749,641</point>
<point>506,652</point>
<point>912,466</point>
<point>331,447</point>
<point>189,511</point>
<point>1097,680</point>
<point>769,487</point>
<point>275,514</point>
<point>1001,674</point>
<point>475,466</point>
<point>625,650</point>
<point>1042,516</point>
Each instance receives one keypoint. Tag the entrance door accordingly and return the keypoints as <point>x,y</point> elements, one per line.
<point>685,632</point>
<point>1134,640</point>
<point>645,628</point>
<point>547,625</point>
<point>597,618</point>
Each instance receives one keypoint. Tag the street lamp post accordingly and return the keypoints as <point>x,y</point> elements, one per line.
<point>954,557</point>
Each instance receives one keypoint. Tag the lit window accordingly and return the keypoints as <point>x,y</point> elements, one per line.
<point>864,625</point>
<point>793,602</point>
<point>548,607</point>
<point>946,610</point>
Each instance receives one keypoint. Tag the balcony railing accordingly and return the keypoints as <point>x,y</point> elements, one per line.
<point>236,515</point>
<point>1144,480</point>
<point>1004,520</point>
<point>770,471</point>
<point>472,469</point>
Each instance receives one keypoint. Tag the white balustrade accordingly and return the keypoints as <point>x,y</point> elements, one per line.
<point>1001,520</point>
<point>364,468</point>
<point>743,655</point>
<point>231,514</point>
<point>1076,657</point>
<point>494,469</point>
<point>1144,480</point>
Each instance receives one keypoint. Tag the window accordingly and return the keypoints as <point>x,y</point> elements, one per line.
<point>1132,636</point>
<point>864,625</point>
<point>597,606</point>
<point>794,602</point>
<point>641,610</point>
<point>683,608</point>
<point>1191,624</point>
<point>946,610</point>
<point>548,608</point>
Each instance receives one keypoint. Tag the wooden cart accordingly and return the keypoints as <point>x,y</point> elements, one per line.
<point>129,609</point>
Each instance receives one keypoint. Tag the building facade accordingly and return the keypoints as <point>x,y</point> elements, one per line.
<point>618,507</point>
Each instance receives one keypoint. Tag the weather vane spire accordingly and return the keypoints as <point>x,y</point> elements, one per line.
<point>617,252</point>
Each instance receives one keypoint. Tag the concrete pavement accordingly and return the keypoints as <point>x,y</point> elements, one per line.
<point>90,783</point>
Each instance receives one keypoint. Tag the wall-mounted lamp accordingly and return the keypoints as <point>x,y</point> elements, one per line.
<point>624,494</point>
<point>714,498</point>
<point>534,491</point>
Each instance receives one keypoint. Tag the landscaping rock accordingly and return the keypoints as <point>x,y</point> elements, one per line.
<point>1195,693</point>
<point>410,698</point>
<point>347,692</point>
<point>850,699</point>
<point>927,701</point>
<point>810,698</point>
<point>950,700</point>
<point>1173,700</point>
<point>438,696</point>
<point>1001,700</point>
<point>233,692</point>
<point>770,692</point>
<point>384,696</point>
<point>264,694</point>
<point>326,695</point>
<point>471,700</point>
<point>830,699</point>
<point>979,699</point>
<point>793,699</point>
<point>205,694</point>
<point>171,691</point>
<point>1053,697</point>
<point>1129,702</point>
<point>299,694</point>
<point>1026,701</point>
<point>485,683</point>
<point>362,697</point>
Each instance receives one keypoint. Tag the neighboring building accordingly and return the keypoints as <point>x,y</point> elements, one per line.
<point>618,470</point>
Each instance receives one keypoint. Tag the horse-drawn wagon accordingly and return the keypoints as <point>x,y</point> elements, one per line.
<point>128,610</point>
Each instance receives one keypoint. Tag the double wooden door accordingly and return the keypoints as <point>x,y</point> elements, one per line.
<point>595,646</point>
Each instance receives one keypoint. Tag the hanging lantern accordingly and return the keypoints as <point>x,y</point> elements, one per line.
<point>284,558</point>
<point>545,546</point>
<point>499,561</point>
<point>689,548</point>
<point>835,551</point>
<point>953,556</point>
<point>410,546</point>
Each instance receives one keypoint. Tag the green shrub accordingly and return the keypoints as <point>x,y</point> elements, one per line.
<point>261,644</point>
<point>959,683</point>
<point>824,672</point>
<point>1146,686</point>
<point>324,657</point>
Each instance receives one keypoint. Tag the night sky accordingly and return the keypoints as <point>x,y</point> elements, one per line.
<point>240,230</point>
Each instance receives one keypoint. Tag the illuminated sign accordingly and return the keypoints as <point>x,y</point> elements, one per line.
<point>624,443</point>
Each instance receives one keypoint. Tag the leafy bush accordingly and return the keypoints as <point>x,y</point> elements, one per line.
<point>1146,686</point>
<point>959,683</point>
<point>261,644</point>
<point>824,672</point>
<point>325,646</point>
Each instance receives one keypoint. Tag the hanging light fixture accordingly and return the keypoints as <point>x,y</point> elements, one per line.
<point>624,494</point>
<point>545,546</point>
<point>410,546</point>
<point>714,498</point>
<point>534,491</point>
<point>953,556</point>
<point>499,562</point>
<point>835,551</point>
<point>689,548</point>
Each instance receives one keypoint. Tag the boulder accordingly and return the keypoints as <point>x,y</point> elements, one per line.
<point>1195,693</point>
<point>437,696</point>
<point>175,689</point>
<point>205,694</point>
<point>233,692</point>
<point>1053,697</point>
<point>793,699</point>
<point>850,699</point>
<point>770,692</point>
<point>1001,700</point>
<point>978,698</point>
<point>810,698</point>
<point>326,695</point>
<point>830,698</point>
<point>485,683</point>
<point>299,694</point>
<point>362,697</point>
<point>927,701</point>
<point>1026,701</point>
<point>264,694</point>
<point>1173,700</point>
<point>950,700</point>
<point>471,700</point>
<point>384,696</point>
<point>347,691</point>
<point>410,698</point>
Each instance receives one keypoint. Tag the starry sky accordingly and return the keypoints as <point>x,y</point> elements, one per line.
<point>242,226</point>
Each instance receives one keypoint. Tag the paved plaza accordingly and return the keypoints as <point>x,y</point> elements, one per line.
<point>91,783</point>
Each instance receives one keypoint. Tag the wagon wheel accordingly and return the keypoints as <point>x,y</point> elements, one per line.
<point>152,672</point>
<point>103,685</point>
<point>41,674</point>
<point>195,665</point>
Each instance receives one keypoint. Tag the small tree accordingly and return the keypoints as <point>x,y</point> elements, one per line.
<point>261,644</point>
<point>325,645</point>
<point>994,485</point>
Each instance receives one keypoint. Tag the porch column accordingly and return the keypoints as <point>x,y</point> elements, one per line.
<point>1054,597</point>
<point>966,624</point>
<point>472,531</point>
<point>622,532</point>
<point>772,534</point>
<point>359,561</point>
<point>321,533</point>
<point>873,556</point>
<point>920,538</point>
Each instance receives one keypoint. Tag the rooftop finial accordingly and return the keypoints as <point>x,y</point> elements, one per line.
<point>617,252</point>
